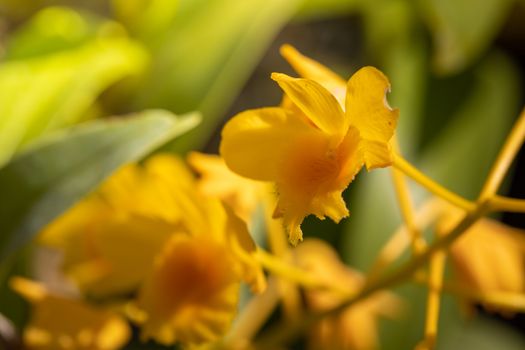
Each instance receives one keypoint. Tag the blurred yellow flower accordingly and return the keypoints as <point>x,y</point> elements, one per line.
<point>192,293</point>
<point>149,229</point>
<point>60,323</point>
<point>110,239</point>
<point>357,327</point>
<point>489,257</point>
<point>217,180</point>
<point>312,148</point>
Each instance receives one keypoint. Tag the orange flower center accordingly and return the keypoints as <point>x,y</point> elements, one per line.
<point>192,272</point>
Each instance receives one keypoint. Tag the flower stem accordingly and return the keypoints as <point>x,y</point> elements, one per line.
<point>409,170</point>
<point>290,272</point>
<point>291,299</point>
<point>407,211</point>
<point>252,317</point>
<point>505,158</point>
<point>398,242</point>
<point>500,203</point>
<point>502,300</point>
<point>437,269</point>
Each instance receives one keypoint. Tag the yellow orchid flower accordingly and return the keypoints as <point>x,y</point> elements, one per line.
<point>489,257</point>
<point>192,292</point>
<point>61,323</point>
<point>357,327</point>
<point>314,149</point>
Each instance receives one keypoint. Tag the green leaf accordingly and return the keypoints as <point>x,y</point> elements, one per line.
<point>460,157</point>
<point>55,29</point>
<point>147,19</point>
<point>395,40</point>
<point>203,63</point>
<point>463,30</point>
<point>314,9</point>
<point>479,333</point>
<point>42,94</point>
<point>49,177</point>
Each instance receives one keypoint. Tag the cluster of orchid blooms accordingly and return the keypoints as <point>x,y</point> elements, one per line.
<point>162,251</point>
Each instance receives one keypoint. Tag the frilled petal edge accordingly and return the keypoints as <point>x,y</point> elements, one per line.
<point>368,110</point>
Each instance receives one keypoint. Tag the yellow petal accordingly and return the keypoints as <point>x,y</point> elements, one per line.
<point>243,247</point>
<point>130,191</point>
<point>115,190</point>
<point>61,323</point>
<point>173,191</point>
<point>332,205</point>
<point>489,257</point>
<point>31,291</point>
<point>106,252</point>
<point>171,170</point>
<point>319,105</point>
<point>217,180</point>
<point>377,154</point>
<point>83,214</point>
<point>368,110</point>
<point>127,248</point>
<point>253,142</point>
<point>148,190</point>
<point>311,69</point>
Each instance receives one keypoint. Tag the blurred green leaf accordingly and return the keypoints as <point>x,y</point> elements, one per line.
<point>208,55</point>
<point>314,9</point>
<point>49,177</point>
<point>56,29</point>
<point>463,29</point>
<point>459,158</point>
<point>43,94</point>
<point>17,9</point>
<point>147,19</point>
<point>11,304</point>
<point>479,333</point>
<point>396,42</point>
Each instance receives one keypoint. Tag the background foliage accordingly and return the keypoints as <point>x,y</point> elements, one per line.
<point>456,68</point>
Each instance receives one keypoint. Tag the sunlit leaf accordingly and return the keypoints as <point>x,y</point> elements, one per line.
<point>311,9</point>
<point>463,29</point>
<point>49,177</point>
<point>461,156</point>
<point>147,19</point>
<point>43,94</point>
<point>56,29</point>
